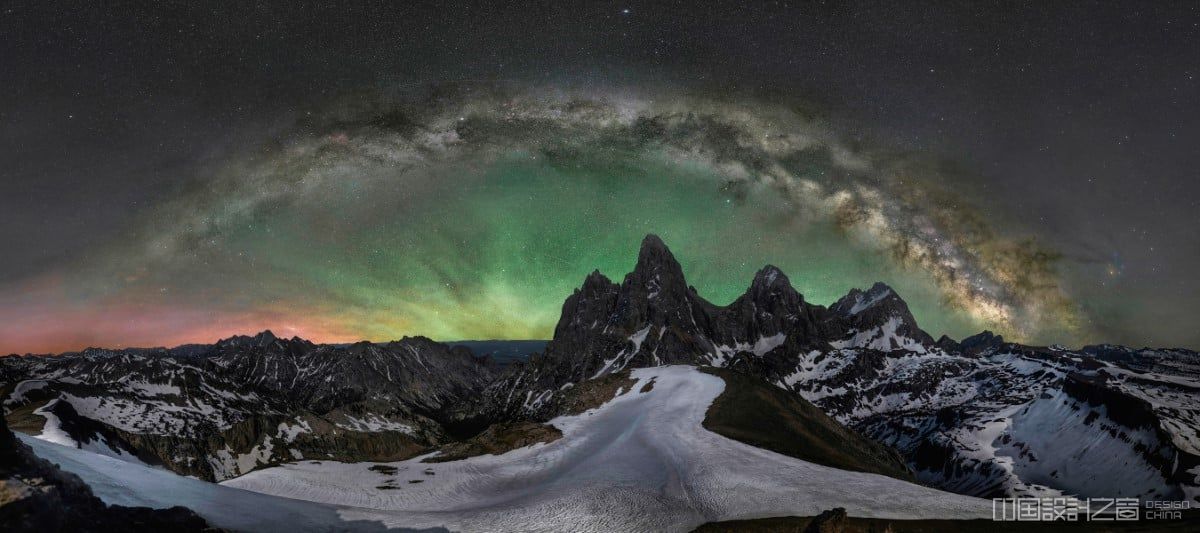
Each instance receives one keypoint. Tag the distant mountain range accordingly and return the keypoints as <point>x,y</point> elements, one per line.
<point>503,352</point>
<point>980,416</point>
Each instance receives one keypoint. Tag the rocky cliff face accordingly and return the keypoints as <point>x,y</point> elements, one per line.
<point>654,318</point>
<point>37,496</point>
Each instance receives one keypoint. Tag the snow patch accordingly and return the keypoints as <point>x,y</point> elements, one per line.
<point>1055,441</point>
<point>259,454</point>
<point>223,464</point>
<point>142,388</point>
<point>861,304</point>
<point>618,362</point>
<point>52,431</point>
<point>374,424</point>
<point>289,432</point>
<point>120,483</point>
<point>883,338</point>
<point>759,347</point>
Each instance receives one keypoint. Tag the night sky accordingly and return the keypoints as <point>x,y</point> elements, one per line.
<point>178,172</point>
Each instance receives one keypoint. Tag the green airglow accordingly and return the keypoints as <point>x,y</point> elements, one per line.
<point>493,253</point>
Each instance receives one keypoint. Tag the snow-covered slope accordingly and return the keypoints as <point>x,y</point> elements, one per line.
<point>118,482</point>
<point>640,462</point>
<point>1015,420</point>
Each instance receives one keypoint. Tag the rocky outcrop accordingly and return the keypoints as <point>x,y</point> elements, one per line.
<point>36,496</point>
<point>981,342</point>
<point>496,440</point>
<point>831,521</point>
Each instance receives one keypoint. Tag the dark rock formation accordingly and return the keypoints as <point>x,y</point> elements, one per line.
<point>831,521</point>
<point>36,496</point>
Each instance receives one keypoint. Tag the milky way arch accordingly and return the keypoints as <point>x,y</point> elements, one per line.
<point>470,210</point>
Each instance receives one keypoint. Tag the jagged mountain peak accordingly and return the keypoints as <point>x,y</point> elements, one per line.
<point>771,288</point>
<point>596,282</point>
<point>877,304</point>
<point>862,360</point>
<point>879,318</point>
<point>653,242</point>
<point>980,342</point>
<point>858,300</point>
<point>879,287</point>
<point>264,339</point>
<point>657,269</point>
<point>770,276</point>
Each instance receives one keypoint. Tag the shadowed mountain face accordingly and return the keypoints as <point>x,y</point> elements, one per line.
<point>653,317</point>
<point>503,352</point>
<point>980,416</point>
<point>757,413</point>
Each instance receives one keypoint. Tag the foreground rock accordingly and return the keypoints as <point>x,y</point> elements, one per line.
<point>831,521</point>
<point>37,496</point>
<point>793,524</point>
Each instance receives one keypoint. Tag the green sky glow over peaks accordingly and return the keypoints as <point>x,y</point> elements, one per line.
<point>480,221</point>
<point>494,255</point>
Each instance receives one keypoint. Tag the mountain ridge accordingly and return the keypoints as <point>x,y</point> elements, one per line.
<point>969,416</point>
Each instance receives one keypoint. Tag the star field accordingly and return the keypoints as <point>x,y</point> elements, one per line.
<point>179,172</point>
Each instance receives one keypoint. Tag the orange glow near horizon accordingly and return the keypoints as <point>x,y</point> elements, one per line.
<point>124,328</point>
<point>40,324</point>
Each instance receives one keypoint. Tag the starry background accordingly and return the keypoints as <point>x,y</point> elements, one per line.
<point>180,171</point>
